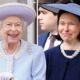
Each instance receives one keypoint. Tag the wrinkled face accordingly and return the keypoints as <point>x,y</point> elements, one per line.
<point>11,29</point>
<point>47,20</point>
<point>69,27</point>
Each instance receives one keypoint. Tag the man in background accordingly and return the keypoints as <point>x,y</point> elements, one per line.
<point>48,23</point>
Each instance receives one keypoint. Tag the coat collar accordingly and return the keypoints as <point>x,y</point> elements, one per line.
<point>24,48</point>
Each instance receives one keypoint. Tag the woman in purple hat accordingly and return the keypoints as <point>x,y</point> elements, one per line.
<point>19,60</point>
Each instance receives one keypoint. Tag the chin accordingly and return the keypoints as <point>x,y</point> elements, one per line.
<point>13,41</point>
<point>67,40</point>
<point>43,28</point>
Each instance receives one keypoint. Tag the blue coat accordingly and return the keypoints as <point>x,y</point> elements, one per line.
<point>27,64</point>
<point>61,68</point>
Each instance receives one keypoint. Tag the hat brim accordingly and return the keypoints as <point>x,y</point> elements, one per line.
<point>71,8</point>
<point>49,8</point>
<point>15,9</point>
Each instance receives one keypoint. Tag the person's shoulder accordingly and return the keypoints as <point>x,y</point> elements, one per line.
<point>36,48</point>
<point>53,50</point>
<point>33,48</point>
<point>43,34</point>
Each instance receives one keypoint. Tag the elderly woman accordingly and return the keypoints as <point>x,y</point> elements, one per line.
<point>63,61</point>
<point>19,60</point>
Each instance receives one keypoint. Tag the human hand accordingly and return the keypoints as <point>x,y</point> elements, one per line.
<point>6,76</point>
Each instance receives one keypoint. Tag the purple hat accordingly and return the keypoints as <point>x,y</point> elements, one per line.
<point>17,9</point>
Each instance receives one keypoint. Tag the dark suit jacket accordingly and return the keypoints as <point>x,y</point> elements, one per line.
<point>42,38</point>
<point>61,68</point>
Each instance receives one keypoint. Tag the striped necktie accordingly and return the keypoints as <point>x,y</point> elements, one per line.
<point>52,39</point>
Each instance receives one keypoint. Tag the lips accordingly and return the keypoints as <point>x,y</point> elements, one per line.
<point>13,35</point>
<point>66,34</point>
<point>40,24</point>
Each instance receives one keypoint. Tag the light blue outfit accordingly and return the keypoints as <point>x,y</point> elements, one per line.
<point>28,64</point>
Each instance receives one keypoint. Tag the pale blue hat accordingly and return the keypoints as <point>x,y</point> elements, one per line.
<point>70,7</point>
<point>17,9</point>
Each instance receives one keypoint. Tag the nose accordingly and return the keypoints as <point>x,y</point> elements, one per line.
<point>39,16</point>
<point>13,28</point>
<point>66,27</point>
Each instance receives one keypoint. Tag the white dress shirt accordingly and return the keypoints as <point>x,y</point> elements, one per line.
<point>47,43</point>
